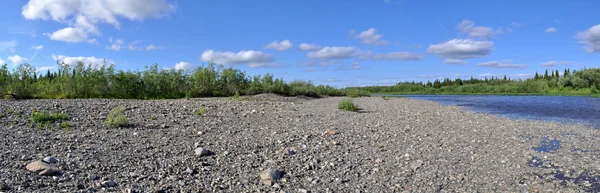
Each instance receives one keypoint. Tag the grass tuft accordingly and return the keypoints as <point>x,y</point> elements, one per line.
<point>117,118</point>
<point>45,116</point>
<point>347,105</point>
<point>201,111</point>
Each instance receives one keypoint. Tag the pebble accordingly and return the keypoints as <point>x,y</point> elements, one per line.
<point>108,183</point>
<point>201,151</point>
<point>50,160</point>
<point>270,175</point>
<point>416,165</point>
<point>42,168</point>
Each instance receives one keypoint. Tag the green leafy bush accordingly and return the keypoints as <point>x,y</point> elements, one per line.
<point>347,105</point>
<point>354,93</point>
<point>117,118</point>
<point>45,116</point>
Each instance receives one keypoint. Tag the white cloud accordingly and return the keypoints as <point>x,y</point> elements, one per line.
<point>554,63</point>
<point>279,46</point>
<point>37,47</point>
<point>153,47</point>
<point>115,44</point>
<point>69,60</point>
<point>309,47</point>
<point>591,38</point>
<point>454,61</point>
<point>468,27</point>
<point>396,56</point>
<point>353,66</point>
<point>430,76</point>
<point>334,80</point>
<point>460,75</point>
<point>551,30</point>
<point>8,45</point>
<point>333,53</point>
<point>522,75</point>
<point>490,75</point>
<point>251,58</point>
<point>184,66</point>
<point>319,62</point>
<point>462,48</point>
<point>2,62</point>
<point>83,16</point>
<point>501,64</point>
<point>16,59</point>
<point>45,68</point>
<point>133,45</point>
<point>371,37</point>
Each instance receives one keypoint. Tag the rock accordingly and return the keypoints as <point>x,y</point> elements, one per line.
<point>416,165</point>
<point>190,171</point>
<point>93,177</point>
<point>4,187</point>
<point>302,191</point>
<point>270,175</point>
<point>378,161</point>
<point>42,168</point>
<point>80,186</point>
<point>201,151</point>
<point>50,160</point>
<point>108,183</point>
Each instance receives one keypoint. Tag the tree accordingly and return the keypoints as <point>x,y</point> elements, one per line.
<point>557,74</point>
<point>537,76</point>
<point>505,77</point>
<point>546,76</point>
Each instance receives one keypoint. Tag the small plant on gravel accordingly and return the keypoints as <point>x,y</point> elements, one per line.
<point>10,111</point>
<point>64,125</point>
<point>201,111</point>
<point>385,98</point>
<point>347,105</point>
<point>2,115</point>
<point>236,96</point>
<point>152,118</point>
<point>117,118</point>
<point>45,116</point>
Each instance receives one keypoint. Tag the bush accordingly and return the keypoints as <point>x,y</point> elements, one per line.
<point>45,116</point>
<point>347,105</point>
<point>64,125</point>
<point>201,111</point>
<point>354,93</point>
<point>117,118</point>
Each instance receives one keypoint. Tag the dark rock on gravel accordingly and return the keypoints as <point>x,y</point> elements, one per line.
<point>201,151</point>
<point>270,175</point>
<point>50,160</point>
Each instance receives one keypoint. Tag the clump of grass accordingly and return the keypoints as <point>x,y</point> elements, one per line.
<point>45,116</point>
<point>385,98</point>
<point>117,118</point>
<point>64,125</point>
<point>355,93</point>
<point>2,115</point>
<point>201,111</point>
<point>347,105</point>
<point>236,96</point>
<point>151,117</point>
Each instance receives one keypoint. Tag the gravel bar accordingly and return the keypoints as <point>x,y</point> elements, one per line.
<point>269,143</point>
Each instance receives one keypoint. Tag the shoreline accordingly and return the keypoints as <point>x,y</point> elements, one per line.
<point>391,145</point>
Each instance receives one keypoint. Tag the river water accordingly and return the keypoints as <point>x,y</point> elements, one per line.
<point>564,109</point>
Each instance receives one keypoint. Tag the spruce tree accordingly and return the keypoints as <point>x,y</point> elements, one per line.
<point>546,76</point>
<point>557,74</point>
<point>537,76</point>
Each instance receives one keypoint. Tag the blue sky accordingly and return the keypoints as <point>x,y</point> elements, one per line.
<point>335,42</point>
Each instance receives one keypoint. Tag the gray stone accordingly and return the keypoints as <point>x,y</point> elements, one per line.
<point>108,183</point>
<point>416,165</point>
<point>270,175</point>
<point>50,160</point>
<point>201,151</point>
<point>42,168</point>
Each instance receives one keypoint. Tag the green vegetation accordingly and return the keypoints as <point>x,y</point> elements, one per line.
<point>347,105</point>
<point>117,118</point>
<point>47,117</point>
<point>583,82</point>
<point>200,111</point>
<point>104,81</point>
<point>65,125</point>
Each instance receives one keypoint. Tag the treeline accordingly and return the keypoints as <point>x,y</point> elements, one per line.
<point>583,82</point>
<point>88,81</point>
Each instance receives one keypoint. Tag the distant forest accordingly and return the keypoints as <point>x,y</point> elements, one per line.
<point>88,81</point>
<point>582,82</point>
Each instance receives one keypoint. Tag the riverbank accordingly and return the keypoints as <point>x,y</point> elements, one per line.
<point>390,145</point>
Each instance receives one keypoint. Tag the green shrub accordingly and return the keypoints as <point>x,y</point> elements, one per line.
<point>236,96</point>
<point>64,125</point>
<point>117,118</point>
<point>201,111</point>
<point>45,116</point>
<point>347,105</point>
<point>354,93</point>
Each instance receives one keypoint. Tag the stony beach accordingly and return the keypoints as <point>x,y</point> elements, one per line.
<point>269,143</point>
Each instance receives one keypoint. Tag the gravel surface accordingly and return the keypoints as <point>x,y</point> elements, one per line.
<point>279,144</point>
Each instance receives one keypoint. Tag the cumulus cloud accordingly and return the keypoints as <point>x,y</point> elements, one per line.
<point>333,53</point>
<point>462,48</point>
<point>115,44</point>
<point>83,16</point>
<point>279,46</point>
<point>309,47</point>
<point>16,59</point>
<point>134,45</point>
<point>396,56</point>
<point>184,66</point>
<point>2,62</point>
<point>468,27</point>
<point>371,37</point>
<point>251,58</point>
<point>8,45</point>
<point>554,63</point>
<point>70,60</point>
<point>353,66</point>
<point>501,64</point>
<point>37,47</point>
<point>551,30</point>
<point>153,47</point>
<point>591,38</point>
<point>454,61</point>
